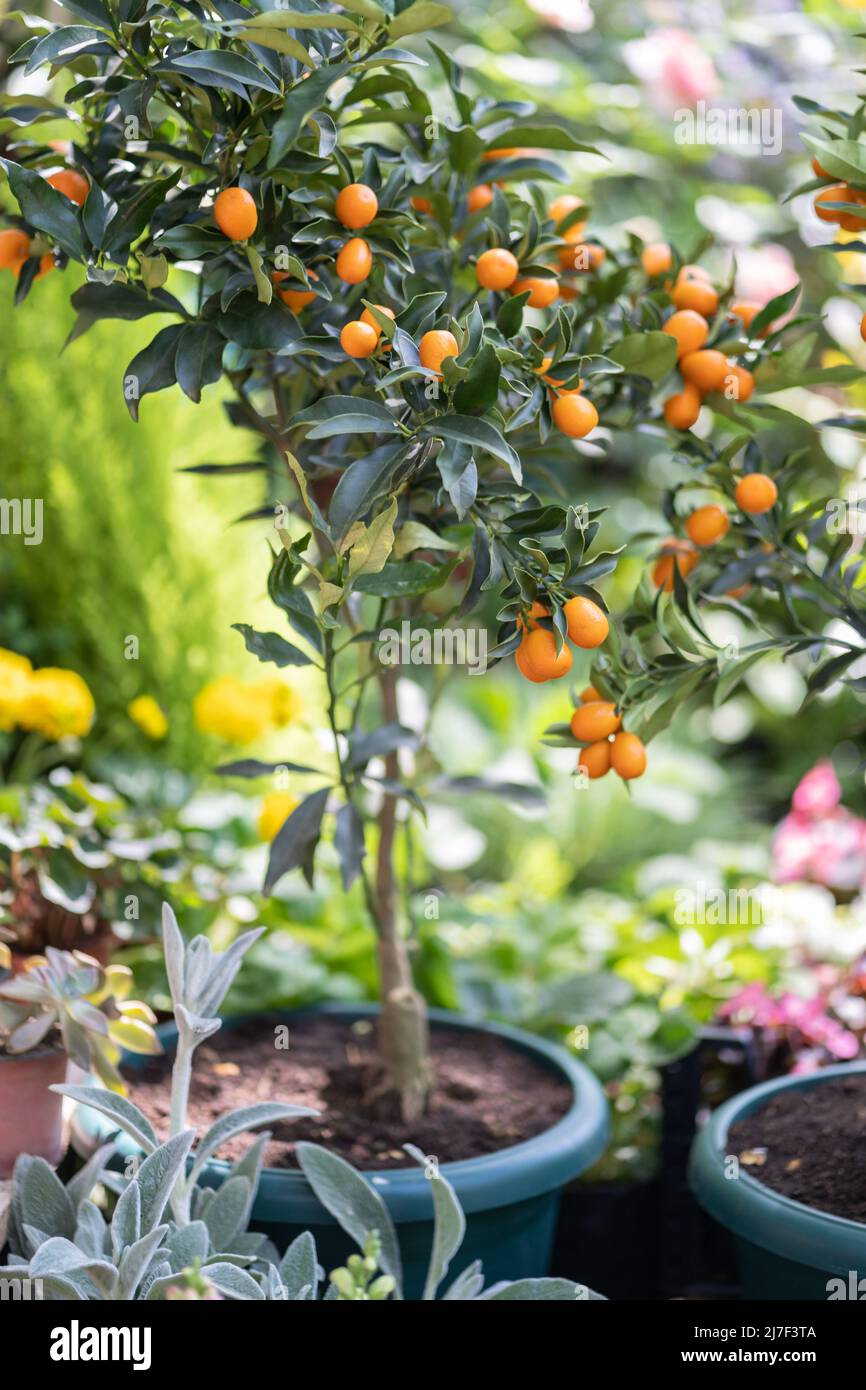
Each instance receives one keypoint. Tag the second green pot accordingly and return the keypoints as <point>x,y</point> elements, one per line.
<point>786,1250</point>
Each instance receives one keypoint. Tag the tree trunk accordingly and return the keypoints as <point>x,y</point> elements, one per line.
<point>403,1029</point>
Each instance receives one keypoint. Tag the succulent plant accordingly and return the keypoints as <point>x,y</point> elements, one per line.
<point>171,1238</point>
<point>86,1003</point>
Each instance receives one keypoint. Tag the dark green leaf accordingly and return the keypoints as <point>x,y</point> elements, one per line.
<point>775,309</point>
<point>302,100</point>
<point>269,646</point>
<point>508,791</point>
<point>347,415</point>
<point>94,302</point>
<point>459,475</point>
<point>478,433</point>
<point>266,327</point>
<point>651,355</point>
<point>404,578</point>
<point>365,480</point>
<point>545,137</point>
<point>152,369</point>
<point>294,846</point>
<point>480,389</point>
<point>133,216</point>
<point>509,319</point>
<point>251,767</point>
<point>379,743</point>
<point>61,43</point>
<point>214,67</point>
<point>286,594</point>
<point>349,843</point>
<point>46,209</point>
<point>199,358</point>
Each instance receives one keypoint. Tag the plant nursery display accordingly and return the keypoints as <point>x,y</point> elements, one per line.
<point>169,1236</point>
<point>503,584</point>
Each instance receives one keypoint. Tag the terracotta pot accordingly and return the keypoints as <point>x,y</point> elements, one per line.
<point>31,1116</point>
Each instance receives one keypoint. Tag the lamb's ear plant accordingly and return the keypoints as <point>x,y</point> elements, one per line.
<point>71,994</point>
<point>376,1273</point>
<point>170,1237</point>
<point>163,1221</point>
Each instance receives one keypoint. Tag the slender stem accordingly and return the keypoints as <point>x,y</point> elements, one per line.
<point>181,1077</point>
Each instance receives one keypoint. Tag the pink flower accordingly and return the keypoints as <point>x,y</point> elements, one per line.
<point>792,850</point>
<point>809,1017</point>
<point>763,272</point>
<point>673,66</point>
<point>752,1004</point>
<point>798,1012</point>
<point>820,841</point>
<point>818,792</point>
<point>808,1061</point>
<point>842,1044</point>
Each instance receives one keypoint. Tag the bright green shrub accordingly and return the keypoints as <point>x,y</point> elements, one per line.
<point>126,543</point>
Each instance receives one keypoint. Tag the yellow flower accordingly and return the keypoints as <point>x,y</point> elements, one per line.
<point>10,660</point>
<point>57,703</point>
<point>275,809</point>
<point>15,673</point>
<point>832,357</point>
<point>233,711</point>
<point>146,713</point>
<point>285,702</point>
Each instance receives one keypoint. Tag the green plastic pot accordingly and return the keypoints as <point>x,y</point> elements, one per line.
<point>511,1198</point>
<point>786,1250</point>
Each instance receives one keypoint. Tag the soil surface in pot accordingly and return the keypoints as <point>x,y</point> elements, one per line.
<point>487,1094</point>
<point>809,1146</point>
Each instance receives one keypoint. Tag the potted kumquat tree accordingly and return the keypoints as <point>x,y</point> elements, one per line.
<point>426,344</point>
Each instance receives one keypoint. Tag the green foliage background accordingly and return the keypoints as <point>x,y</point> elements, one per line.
<point>130,548</point>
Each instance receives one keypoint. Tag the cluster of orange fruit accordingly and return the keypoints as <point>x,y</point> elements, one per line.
<point>498,270</point>
<point>702,369</point>
<point>596,724</point>
<point>479,197</point>
<point>356,206</point>
<point>849,221</point>
<point>537,658</point>
<point>754,494</point>
<point>15,245</point>
<point>838,193</point>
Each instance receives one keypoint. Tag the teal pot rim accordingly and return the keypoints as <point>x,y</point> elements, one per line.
<point>34,1054</point>
<point>539,1165</point>
<point>757,1213</point>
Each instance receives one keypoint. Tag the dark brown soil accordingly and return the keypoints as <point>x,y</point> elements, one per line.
<point>815,1142</point>
<point>487,1094</point>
